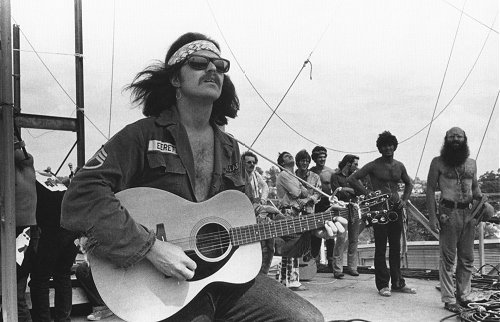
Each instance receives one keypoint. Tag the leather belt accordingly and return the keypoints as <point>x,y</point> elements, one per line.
<point>458,205</point>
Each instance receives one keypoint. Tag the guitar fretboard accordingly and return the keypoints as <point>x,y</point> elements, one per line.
<point>253,233</point>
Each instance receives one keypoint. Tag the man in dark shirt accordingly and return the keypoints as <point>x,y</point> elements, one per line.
<point>344,192</point>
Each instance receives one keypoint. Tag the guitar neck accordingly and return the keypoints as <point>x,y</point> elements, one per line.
<point>253,233</point>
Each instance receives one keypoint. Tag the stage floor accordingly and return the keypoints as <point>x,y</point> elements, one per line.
<point>357,298</point>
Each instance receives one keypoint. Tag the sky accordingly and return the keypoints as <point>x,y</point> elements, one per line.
<point>375,65</point>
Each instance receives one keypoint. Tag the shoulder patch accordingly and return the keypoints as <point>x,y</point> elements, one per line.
<point>162,147</point>
<point>97,160</point>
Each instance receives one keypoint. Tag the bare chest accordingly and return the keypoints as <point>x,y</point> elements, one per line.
<point>202,147</point>
<point>386,177</point>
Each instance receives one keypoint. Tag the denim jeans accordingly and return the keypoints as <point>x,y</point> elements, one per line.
<point>84,276</point>
<point>390,232</point>
<point>354,227</point>
<point>262,299</point>
<point>456,238</point>
<point>55,257</point>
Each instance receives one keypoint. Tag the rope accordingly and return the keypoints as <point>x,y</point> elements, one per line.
<point>112,70</point>
<point>487,125</point>
<point>440,89</point>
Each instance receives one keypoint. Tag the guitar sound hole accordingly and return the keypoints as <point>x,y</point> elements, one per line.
<point>212,240</point>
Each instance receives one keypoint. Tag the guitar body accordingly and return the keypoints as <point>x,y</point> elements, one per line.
<point>141,292</point>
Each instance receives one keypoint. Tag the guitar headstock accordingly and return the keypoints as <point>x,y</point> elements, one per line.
<point>383,212</point>
<point>374,199</point>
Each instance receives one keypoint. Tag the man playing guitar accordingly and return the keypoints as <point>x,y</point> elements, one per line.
<point>177,148</point>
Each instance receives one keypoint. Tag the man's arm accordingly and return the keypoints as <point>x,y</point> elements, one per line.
<point>432,183</point>
<point>476,191</point>
<point>408,185</point>
<point>315,196</point>
<point>358,175</point>
<point>345,193</point>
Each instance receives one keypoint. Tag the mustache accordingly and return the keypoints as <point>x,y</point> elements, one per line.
<point>211,76</point>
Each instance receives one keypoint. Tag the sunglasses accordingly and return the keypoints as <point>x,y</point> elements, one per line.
<point>251,162</point>
<point>199,62</point>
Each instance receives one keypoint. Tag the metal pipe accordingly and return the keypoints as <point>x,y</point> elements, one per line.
<point>7,175</point>
<point>80,116</point>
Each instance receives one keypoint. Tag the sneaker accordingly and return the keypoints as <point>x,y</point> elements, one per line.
<point>99,313</point>
<point>299,288</point>
<point>351,272</point>
<point>405,289</point>
<point>386,292</point>
<point>338,275</point>
<point>453,307</point>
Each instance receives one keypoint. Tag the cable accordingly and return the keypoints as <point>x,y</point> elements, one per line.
<point>331,148</point>
<point>67,155</point>
<point>277,106</point>
<point>487,125</point>
<point>58,83</point>
<point>47,52</point>
<point>459,88</point>
<point>465,13</point>
<point>264,100</point>
<point>440,89</point>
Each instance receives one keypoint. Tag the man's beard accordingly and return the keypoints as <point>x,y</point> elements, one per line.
<point>452,156</point>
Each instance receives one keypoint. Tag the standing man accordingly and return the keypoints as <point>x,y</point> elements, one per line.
<point>178,148</point>
<point>355,226</point>
<point>257,190</point>
<point>385,174</point>
<point>303,159</point>
<point>455,174</point>
<point>294,199</point>
<point>325,173</point>
<point>255,187</point>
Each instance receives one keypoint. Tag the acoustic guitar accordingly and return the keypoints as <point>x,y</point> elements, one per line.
<point>219,234</point>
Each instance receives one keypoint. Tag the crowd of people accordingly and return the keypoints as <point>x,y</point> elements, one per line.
<point>180,148</point>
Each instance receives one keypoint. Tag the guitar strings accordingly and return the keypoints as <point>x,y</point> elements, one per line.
<point>252,233</point>
<point>243,235</point>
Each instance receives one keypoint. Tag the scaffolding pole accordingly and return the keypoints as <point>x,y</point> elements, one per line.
<point>7,174</point>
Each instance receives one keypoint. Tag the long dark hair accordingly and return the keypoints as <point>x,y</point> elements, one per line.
<point>152,88</point>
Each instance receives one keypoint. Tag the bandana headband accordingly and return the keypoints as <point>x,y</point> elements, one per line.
<point>190,48</point>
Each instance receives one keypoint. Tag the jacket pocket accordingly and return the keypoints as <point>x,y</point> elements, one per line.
<point>166,163</point>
